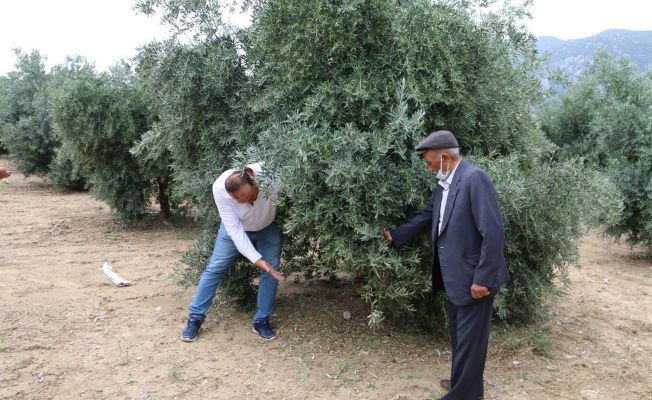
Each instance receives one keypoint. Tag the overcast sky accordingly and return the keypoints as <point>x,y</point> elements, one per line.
<point>104,31</point>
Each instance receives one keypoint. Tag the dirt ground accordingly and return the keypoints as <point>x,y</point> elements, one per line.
<point>67,333</point>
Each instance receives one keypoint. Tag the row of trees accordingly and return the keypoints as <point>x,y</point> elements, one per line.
<point>333,96</point>
<point>84,129</point>
<point>606,117</point>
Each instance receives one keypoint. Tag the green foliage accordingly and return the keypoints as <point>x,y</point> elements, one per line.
<point>4,90</point>
<point>197,92</point>
<point>154,159</point>
<point>349,89</point>
<point>64,171</point>
<point>344,61</point>
<point>25,121</point>
<point>100,117</point>
<point>25,124</point>
<point>195,18</point>
<point>607,118</point>
<point>545,209</point>
<point>347,185</point>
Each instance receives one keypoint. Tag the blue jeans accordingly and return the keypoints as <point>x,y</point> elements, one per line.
<point>268,243</point>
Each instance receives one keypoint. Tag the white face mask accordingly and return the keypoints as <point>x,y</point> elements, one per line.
<point>440,174</point>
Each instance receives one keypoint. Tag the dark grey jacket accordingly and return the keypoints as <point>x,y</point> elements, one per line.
<point>470,245</point>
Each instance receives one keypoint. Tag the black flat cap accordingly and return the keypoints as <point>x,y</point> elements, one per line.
<point>437,140</point>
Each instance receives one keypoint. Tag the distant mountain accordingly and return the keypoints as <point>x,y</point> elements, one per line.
<point>572,56</point>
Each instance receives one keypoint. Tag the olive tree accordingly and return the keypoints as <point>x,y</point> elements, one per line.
<point>333,96</point>
<point>606,117</point>
<point>100,117</point>
<point>25,122</point>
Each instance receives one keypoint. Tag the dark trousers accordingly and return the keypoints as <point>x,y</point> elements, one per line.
<point>469,331</point>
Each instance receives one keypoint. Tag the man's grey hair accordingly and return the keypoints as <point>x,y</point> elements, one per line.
<point>453,151</point>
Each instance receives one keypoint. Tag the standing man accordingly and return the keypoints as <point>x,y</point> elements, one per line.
<point>466,227</point>
<point>247,228</point>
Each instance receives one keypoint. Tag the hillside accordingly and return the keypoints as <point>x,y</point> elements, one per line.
<point>572,56</point>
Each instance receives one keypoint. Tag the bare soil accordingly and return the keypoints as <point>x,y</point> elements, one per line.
<point>66,332</point>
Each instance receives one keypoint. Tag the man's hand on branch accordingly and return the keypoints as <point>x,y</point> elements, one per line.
<point>388,236</point>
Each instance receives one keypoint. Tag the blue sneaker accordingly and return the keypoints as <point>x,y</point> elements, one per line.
<point>264,330</point>
<point>192,329</point>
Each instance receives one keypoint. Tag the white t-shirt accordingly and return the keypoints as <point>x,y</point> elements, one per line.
<point>444,197</point>
<point>240,218</point>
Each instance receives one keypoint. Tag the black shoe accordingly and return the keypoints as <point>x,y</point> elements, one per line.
<point>263,329</point>
<point>192,329</point>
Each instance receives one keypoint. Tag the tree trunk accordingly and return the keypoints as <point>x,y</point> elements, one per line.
<point>164,195</point>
